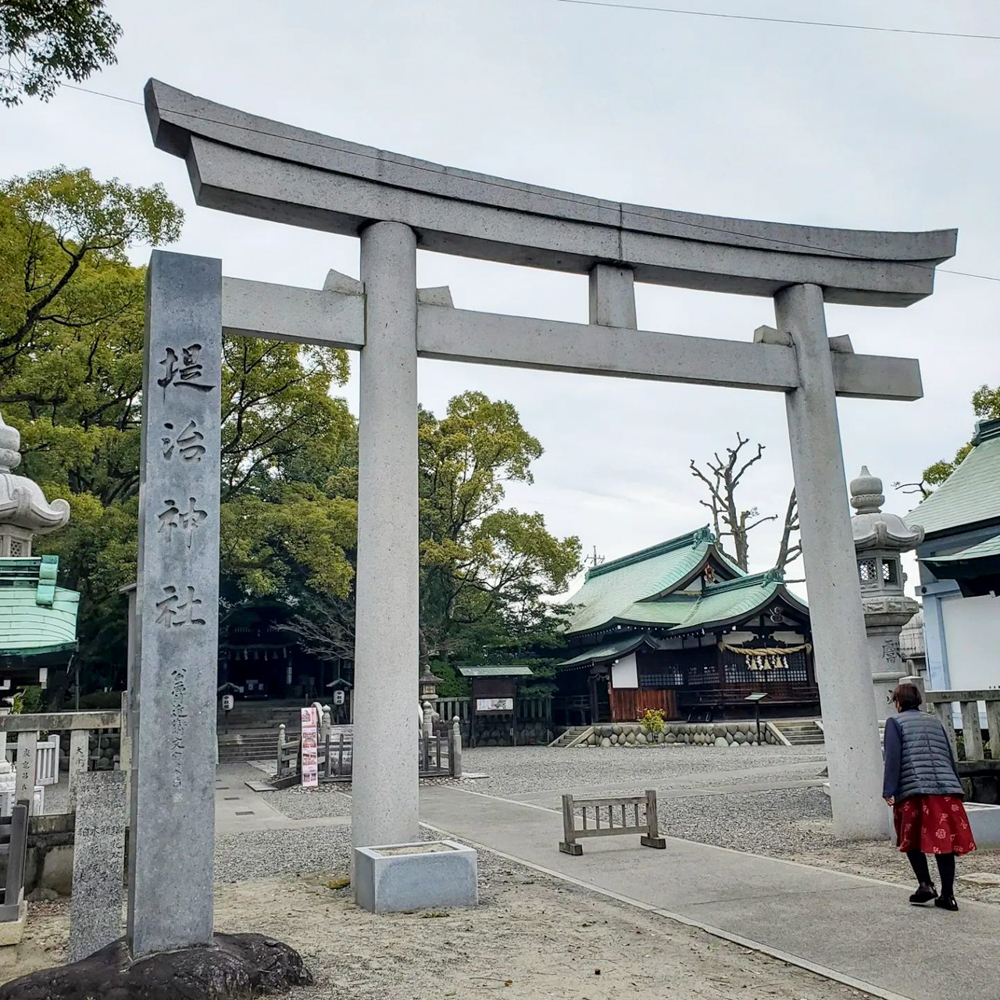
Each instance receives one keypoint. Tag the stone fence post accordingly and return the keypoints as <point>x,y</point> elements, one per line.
<point>428,723</point>
<point>456,747</point>
<point>281,748</point>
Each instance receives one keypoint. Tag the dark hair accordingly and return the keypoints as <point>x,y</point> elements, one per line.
<point>907,696</point>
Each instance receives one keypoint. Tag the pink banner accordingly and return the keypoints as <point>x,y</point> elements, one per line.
<point>310,768</point>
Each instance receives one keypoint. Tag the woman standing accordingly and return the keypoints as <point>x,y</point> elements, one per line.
<point>925,792</point>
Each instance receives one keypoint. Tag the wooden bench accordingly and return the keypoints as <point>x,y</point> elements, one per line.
<point>648,829</point>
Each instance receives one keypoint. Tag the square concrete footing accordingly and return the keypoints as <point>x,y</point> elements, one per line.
<point>985,823</point>
<point>11,931</point>
<point>402,877</point>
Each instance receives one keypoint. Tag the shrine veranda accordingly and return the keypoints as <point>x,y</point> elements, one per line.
<point>395,205</point>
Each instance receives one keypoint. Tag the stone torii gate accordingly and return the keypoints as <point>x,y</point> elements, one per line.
<point>253,166</point>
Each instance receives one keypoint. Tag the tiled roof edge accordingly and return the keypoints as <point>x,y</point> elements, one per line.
<point>769,576</point>
<point>691,539</point>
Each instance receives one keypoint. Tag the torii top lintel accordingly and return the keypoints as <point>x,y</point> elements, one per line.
<point>257,167</point>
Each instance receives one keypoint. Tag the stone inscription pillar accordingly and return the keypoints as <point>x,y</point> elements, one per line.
<point>172,840</point>
<point>387,643</point>
<point>838,627</point>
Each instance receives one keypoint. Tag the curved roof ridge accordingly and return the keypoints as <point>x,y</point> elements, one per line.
<point>692,538</point>
<point>773,575</point>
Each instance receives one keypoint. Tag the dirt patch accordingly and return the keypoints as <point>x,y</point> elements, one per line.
<point>533,938</point>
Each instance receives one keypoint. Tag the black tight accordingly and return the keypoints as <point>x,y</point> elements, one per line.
<point>946,869</point>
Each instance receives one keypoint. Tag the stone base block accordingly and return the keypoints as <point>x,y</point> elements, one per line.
<point>11,931</point>
<point>985,823</point>
<point>403,877</point>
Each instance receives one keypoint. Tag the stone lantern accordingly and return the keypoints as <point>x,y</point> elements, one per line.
<point>24,511</point>
<point>880,539</point>
<point>428,686</point>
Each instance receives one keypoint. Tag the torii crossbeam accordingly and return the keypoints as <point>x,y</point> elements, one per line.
<point>395,204</point>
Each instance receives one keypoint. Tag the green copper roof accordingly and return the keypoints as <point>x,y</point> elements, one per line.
<point>608,650</point>
<point>719,605</point>
<point>36,616</point>
<point>984,550</point>
<point>726,602</point>
<point>512,670</point>
<point>971,494</point>
<point>615,587</point>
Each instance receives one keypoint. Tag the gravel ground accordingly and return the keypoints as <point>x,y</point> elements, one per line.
<point>310,803</point>
<point>515,771</point>
<point>263,854</point>
<point>531,938</point>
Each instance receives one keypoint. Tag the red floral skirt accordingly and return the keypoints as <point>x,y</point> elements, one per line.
<point>934,824</point>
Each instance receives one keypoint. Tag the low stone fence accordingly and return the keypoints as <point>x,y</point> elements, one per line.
<point>630,734</point>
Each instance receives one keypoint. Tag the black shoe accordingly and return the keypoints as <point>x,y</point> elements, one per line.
<point>924,894</point>
<point>947,903</point>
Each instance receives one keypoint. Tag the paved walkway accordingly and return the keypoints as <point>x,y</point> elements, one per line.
<point>239,809</point>
<point>862,931</point>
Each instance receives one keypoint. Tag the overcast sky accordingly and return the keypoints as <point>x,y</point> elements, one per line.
<point>766,121</point>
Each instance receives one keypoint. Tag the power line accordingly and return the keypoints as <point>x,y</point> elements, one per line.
<point>499,184</point>
<point>777,20</point>
<point>100,93</point>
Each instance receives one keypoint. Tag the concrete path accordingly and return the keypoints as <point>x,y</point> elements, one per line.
<point>857,930</point>
<point>239,809</point>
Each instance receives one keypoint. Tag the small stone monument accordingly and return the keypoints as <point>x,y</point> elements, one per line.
<point>879,541</point>
<point>98,863</point>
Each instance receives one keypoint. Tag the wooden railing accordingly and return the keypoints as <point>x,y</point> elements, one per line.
<point>943,703</point>
<point>439,754</point>
<point>37,760</point>
<point>647,827</point>
<point>534,708</point>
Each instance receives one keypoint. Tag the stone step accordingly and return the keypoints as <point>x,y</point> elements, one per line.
<point>571,734</point>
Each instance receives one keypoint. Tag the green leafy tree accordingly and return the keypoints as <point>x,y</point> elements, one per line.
<point>487,572</point>
<point>986,405</point>
<point>43,42</point>
<point>71,338</point>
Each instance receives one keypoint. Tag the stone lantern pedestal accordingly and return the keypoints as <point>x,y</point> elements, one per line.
<point>880,539</point>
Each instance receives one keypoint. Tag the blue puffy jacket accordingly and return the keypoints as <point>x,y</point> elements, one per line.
<point>918,758</point>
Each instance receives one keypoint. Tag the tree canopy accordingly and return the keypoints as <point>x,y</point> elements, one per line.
<point>71,339</point>
<point>487,571</point>
<point>71,336</point>
<point>43,42</point>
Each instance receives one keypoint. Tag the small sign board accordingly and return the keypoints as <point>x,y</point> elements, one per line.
<point>486,706</point>
<point>338,697</point>
<point>227,702</point>
<point>310,764</point>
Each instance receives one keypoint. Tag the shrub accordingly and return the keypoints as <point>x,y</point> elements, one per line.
<point>653,720</point>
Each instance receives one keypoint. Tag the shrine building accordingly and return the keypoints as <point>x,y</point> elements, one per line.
<point>681,628</point>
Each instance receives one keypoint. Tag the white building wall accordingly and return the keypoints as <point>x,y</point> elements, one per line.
<point>972,639</point>
<point>625,673</point>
